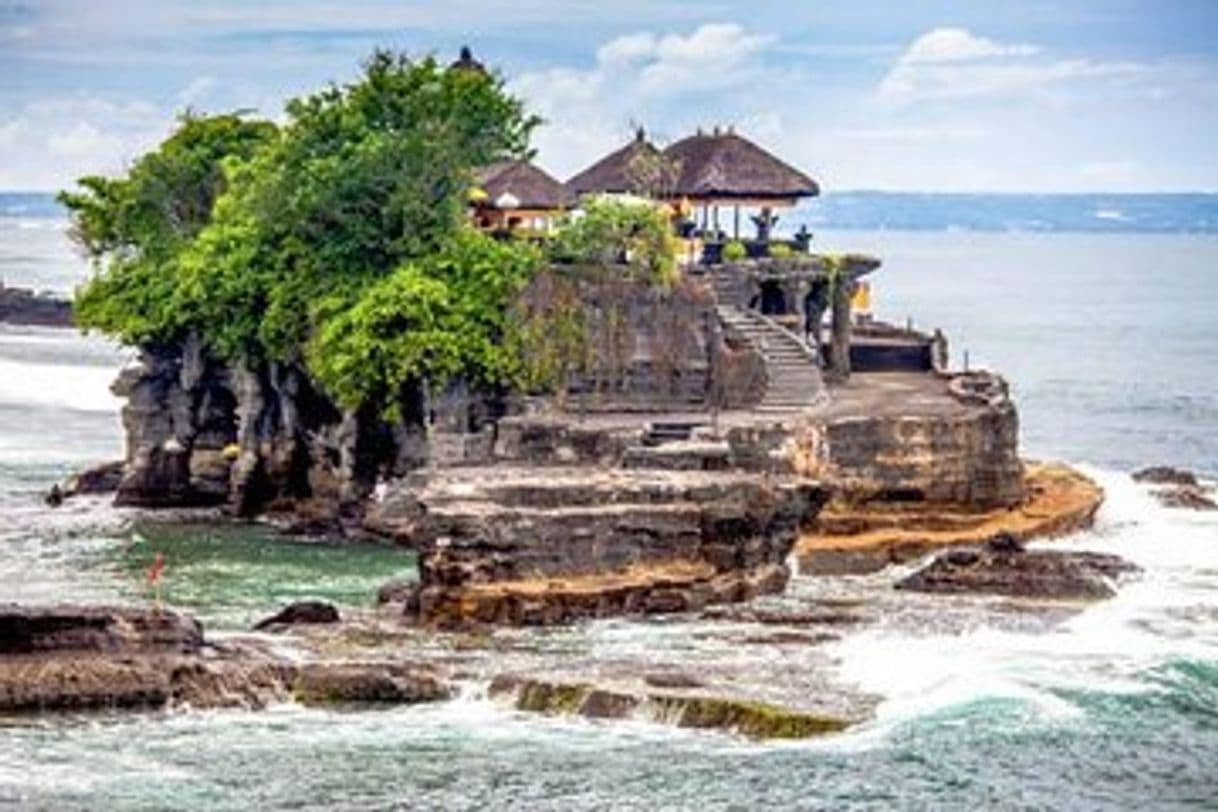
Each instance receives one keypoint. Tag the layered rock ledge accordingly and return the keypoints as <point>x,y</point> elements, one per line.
<point>850,537</point>
<point>518,546</point>
<point>94,658</point>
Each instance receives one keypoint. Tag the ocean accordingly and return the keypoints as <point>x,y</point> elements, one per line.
<point>1108,338</point>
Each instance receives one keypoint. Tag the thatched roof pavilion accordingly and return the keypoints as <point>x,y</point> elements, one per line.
<point>724,167</point>
<point>619,172</point>
<point>512,194</point>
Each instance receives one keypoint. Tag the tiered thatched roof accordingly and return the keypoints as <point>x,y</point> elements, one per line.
<point>616,173</point>
<point>726,165</point>
<point>528,185</point>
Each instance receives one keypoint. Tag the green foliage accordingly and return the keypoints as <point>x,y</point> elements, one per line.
<point>432,318</point>
<point>141,222</point>
<point>338,238</point>
<point>636,235</point>
<point>734,251</point>
<point>780,250</point>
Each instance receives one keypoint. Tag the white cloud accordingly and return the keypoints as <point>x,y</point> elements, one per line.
<point>50,142</point>
<point>640,78</point>
<point>958,45</point>
<point>84,140</point>
<point>948,64</point>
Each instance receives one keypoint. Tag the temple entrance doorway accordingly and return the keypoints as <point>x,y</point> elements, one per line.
<point>773,300</point>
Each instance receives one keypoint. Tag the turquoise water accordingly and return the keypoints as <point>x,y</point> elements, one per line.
<point>1109,342</point>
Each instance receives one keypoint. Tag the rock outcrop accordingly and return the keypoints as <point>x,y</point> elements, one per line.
<point>1165,475</point>
<point>1005,567</point>
<point>856,538</point>
<point>255,439</point>
<point>299,613</point>
<point>26,307</point>
<point>527,547</point>
<point>691,709</point>
<point>85,658</point>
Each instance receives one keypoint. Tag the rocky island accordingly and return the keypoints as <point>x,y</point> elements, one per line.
<point>571,401</point>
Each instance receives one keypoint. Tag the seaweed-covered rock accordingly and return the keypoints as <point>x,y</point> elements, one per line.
<point>1005,567</point>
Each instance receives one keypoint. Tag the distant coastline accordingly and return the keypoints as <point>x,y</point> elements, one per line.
<point>1166,213</point>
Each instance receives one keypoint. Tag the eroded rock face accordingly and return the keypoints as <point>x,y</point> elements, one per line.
<point>253,438</point>
<point>528,547</point>
<point>1005,567</point>
<point>1187,497</point>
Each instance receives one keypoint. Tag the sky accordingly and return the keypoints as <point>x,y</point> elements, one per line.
<point>937,95</point>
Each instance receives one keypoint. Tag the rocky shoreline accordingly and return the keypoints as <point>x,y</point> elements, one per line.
<point>29,308</point>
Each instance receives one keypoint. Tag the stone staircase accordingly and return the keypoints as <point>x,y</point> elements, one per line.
<point>793,379</point>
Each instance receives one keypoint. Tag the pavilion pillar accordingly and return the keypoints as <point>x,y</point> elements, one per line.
<point>840,327</point>
<point>736,223</point>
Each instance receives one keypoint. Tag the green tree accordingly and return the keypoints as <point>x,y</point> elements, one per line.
<point>135,227</point>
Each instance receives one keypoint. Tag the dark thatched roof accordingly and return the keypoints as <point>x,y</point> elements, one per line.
<point>728,165</point>
<point>614,173</point>
<point>466,61</point>
<point>532,186</point>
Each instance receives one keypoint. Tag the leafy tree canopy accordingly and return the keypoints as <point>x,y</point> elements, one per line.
<point>319,240</point>
<point>610,231</point>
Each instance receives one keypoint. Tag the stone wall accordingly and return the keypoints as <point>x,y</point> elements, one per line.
<point>966,456</point>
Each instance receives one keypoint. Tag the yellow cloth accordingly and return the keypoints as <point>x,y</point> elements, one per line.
<point>861,303</point>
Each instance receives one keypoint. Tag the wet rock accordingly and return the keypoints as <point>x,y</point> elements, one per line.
<point>346,683</point>
<point>1186,497</point>
<point>104,478</point>
<point>1004,567</point>
<point>672,679</point>
<point>26,630</point>
<point>814,616</point>
<point>729,714</point>
<point>790,639</point>
<point>399,591</point>
<point>299,613</point>
<point>1165,475</point>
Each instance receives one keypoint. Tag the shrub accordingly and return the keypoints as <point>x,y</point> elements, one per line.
<point>780,250</point>
<point>735,251</point>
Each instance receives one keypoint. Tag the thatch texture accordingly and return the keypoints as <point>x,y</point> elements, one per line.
<point>727,165</point>
<point>530,185</point>
<point>619,171</point>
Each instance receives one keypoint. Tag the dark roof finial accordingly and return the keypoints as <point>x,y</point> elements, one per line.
<point>716,131</point>
<point>640,135</point>
<point>467,62</point>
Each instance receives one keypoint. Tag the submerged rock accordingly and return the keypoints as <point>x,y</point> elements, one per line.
<point>1186,497</point>
<point>1165,475</point>
<point>298,613</point>
<point>1004,567</point>
<point>346,683</point>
